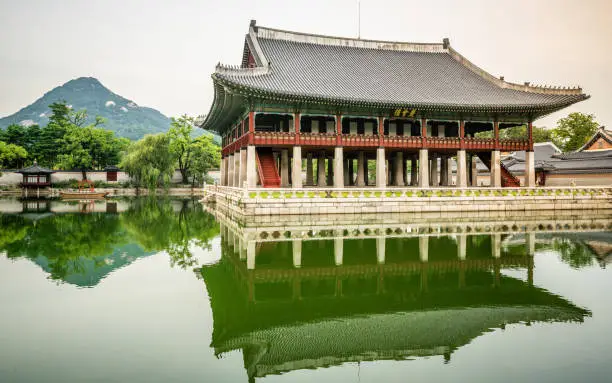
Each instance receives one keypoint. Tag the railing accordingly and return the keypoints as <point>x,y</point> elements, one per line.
<point>604,192</point>
<point>403,141</point>
<point>360,140</point>
<point>512,145</point>
<point>442,142</point>
<point>373,141</point>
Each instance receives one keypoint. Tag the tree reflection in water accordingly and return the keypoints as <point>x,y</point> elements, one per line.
<point>84,248</point>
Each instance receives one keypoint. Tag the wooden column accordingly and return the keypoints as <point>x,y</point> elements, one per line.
<point>423,131</point>
<point>251,127</point>
<point>381,131</point>
<point>338,130</point>
<point>461,134</point>
<point>496,133</point>
<point>296,125</point>
<point>530,134</point>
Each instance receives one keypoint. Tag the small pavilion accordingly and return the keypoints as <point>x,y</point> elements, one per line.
<point>338,103</point>
<point>35,177</point>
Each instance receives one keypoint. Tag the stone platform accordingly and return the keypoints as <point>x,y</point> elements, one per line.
<point>325,201</point>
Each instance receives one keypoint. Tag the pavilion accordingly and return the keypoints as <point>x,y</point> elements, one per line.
<point>343,102</point>
<point>319,313</point>
<point>35,177</point>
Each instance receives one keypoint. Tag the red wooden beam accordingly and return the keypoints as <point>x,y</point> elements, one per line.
<point>381,131</point>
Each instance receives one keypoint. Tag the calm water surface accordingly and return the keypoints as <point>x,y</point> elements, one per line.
<point>158,290</point>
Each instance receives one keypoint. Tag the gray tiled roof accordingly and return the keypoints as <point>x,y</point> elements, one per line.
<point>375,75</point>
<point>378,72</point>
<point>35,169</point>
<point>588,154</point>
<point>576,162</point>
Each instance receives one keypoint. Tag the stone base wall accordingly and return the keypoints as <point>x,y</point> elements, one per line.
<point>274,202</point>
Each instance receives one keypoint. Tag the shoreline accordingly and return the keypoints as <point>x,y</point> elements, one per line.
<point>113,192</point>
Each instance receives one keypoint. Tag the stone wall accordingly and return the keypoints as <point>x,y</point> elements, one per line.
<point>276,202</point>
<point>10,178</point>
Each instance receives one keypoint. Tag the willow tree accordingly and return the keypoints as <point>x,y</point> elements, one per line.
<point>149,161</point>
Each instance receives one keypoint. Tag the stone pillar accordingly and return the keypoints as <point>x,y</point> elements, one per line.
<point>243,167</point>
<point>530,242</point>
<point>449,170</point>
<point>330,171</point>
<point>361,169</point>
<point>230,170</point>
<point>461,169</point>
<point>237,169</point>
<point>339,251</point>
<point>351,172</point>
<point>236,243</point>
<point>321,170</point>
<point>529,169</point>
<point>338,167</point>
<point>423,168</point>
<point>296,245</point>
<point>284,168</point>
<point>251,255</point>
<point>243,249</point>
<point>443,171</point>
<point>251,167</point>
<point>495,169</point>
<point>309,170</point>
<point>345,171</point>
<point>399,169</point>
<point>424,248</point>
<point>414,175</point>
<point>474,171</point>
<point>380,250</point>
<point>496,245</point>
<point>222,171</point>
<point>296,168</point>
<point>461,246</point>
<point>434,170</point>
<point>381,173</point>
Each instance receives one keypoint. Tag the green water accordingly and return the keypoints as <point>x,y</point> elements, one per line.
<point>158,290</point>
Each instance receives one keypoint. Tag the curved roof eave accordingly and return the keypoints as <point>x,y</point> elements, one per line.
<point>537,110</point>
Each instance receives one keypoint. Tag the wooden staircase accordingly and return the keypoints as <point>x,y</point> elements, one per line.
<point>266,167</point>
<point>507,179</point>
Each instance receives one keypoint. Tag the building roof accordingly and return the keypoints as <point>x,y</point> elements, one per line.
<point>550,159</point>
<point>35,169</point>
<point>292,67</point>
<point>601,133</point>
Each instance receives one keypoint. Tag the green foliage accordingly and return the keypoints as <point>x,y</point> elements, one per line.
<point>90,147</point>
<point>194,157</point>
<point>575,130</point>
<point>149,161</point>
<point>85,246</point>
<point>11,155</point>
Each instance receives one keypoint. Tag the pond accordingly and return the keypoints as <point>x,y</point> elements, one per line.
<point>157,290</point>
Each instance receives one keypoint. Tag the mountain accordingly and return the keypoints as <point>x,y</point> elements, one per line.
<point>123,116</point>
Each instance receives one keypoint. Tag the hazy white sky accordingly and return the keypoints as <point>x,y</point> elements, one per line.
<point>160,53</point>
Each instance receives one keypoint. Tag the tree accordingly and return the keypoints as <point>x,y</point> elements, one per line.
<point>149,161</point>
<point>520,133</point>
<point>11,155</point>
<point>205,156</point>
<point>90,147</point>
<point>48,146</point>
<point>194,157</point>
<point>181,144</point>
<point>575,130</point>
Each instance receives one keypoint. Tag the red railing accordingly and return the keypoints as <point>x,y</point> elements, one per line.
<point>373,141</point>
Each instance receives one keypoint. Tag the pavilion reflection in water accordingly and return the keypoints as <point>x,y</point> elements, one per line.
<point>316,302</point>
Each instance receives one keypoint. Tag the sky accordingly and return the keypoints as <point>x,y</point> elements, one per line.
<point>161,53</point>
